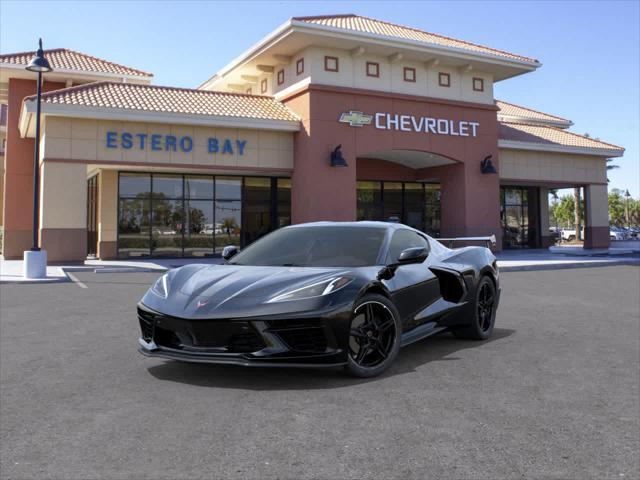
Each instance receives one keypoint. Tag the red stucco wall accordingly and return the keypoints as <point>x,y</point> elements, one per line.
<point>18,178</point>
<point>470,200</point>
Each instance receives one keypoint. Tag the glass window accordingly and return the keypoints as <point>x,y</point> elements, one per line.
<point>167,186</point>
<point>392,198</point>
<point>315,246</point>
<point>256,218</point>
<point>228,188</point>
<point>199,228</point>
<point>196,215</point>
<point>403,239</point>
<point>228,216</point>
<point>135,184</point>
<point>432,212</point>
<point>515,214</point>
<point>167,220</point>
<point>133,227</point>
<point>198,187</point>
<point>414,205</point>
<point>283,207</point>
<point>369,200</point>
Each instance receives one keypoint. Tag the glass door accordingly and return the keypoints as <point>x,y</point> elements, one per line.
<point>519,217</point>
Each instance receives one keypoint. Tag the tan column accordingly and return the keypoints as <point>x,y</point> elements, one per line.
<point>597,217</point>
<point>107,214</point>
<point>63,211</point>
<point>546,239</point>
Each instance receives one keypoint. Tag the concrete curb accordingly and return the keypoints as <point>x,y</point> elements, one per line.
<point>566,266</point>
<point>127,269</point>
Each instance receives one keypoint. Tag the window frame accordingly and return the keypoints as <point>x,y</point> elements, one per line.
<point>480,81</point>
<point>263,85</point>
<point>377,67</point>
<point>444,83</point>
<point>280,76</point>
<point>407,70</point>
<point>300,66</point>
<point>327,59</point>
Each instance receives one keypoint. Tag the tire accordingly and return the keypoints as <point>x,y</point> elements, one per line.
<point>483,321</point>
<point>571,238</point>
<point>374,339</point>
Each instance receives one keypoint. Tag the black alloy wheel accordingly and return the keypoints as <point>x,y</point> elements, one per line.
<point>374,338</point>
<point>484,312</point>
<point>485,306</point>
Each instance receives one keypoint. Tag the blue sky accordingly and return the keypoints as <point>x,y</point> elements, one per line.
<point>589,50</point>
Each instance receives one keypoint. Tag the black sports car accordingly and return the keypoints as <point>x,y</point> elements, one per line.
<point>321,294</point>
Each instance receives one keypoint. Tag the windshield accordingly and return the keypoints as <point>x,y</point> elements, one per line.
<point>315,247</point>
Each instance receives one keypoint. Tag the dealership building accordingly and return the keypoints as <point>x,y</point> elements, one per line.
<point>337,117</point>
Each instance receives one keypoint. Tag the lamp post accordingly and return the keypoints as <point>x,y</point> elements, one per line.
<point>555,204</point>
<point>626,208</point>
<point>35,260</point>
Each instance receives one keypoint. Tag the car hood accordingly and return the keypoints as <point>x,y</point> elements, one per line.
<point>228,291</point>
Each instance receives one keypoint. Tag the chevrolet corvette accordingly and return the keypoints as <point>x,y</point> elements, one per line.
<point>323,294</point>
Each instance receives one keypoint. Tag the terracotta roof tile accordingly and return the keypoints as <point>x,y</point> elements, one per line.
<point>513,110</point>
<point>65,59</point>
<point>517,132</point>
<point>152,98</point>
<point>370,25</point>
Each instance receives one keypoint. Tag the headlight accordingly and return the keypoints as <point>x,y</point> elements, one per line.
<point>317,289</point>
<point>161,287</point>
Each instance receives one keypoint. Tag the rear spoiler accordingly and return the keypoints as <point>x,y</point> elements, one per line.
<point>489,241</point>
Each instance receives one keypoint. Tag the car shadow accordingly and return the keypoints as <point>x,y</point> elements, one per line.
<point>433,349</point>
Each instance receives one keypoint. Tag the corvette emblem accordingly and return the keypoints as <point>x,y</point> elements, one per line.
<point>201,303</point>
<point>355,119</point>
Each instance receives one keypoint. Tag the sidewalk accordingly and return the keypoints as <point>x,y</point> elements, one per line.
<point>508,261</point>
<point>544,259</point>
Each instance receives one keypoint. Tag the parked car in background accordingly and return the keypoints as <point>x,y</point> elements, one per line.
<point>569,234</point>
<point>619,234</point>
<point>556,233</point>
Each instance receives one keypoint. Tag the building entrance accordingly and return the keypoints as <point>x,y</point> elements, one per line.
<point>415,204</point>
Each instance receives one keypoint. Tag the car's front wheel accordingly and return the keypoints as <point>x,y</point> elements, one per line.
<point>374,339</point>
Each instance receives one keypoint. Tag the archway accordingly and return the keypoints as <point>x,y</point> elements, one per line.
<point>401,185</point>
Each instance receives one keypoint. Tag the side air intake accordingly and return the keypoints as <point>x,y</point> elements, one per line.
<point>452,287</point>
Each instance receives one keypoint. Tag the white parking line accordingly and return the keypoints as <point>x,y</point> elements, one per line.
<point>75,280</point>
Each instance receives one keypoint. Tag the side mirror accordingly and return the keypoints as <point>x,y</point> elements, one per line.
<point>413,255</point>
<point>229,251</point>
<point>406,257</point>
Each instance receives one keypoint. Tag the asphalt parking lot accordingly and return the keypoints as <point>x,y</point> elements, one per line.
<point>554,394</point>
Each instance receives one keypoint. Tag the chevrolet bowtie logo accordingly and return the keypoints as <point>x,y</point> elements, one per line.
<point>355,119</point>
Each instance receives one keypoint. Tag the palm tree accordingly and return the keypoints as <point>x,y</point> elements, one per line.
<point>228,225</point>
<point>611,167</point>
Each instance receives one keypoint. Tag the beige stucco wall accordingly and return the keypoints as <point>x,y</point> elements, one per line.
<point>552,167</point>
<point>352,73</point>
<point>63,196</point>
<point>108,206</point>
<point>598,201</point>
<point>81,139</point>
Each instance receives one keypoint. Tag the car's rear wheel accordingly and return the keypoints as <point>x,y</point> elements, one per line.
<point>374,339</point>
<point>485,307</point>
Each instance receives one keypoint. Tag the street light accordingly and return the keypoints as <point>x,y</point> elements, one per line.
<point>626,208</point>
<point>35,260</point>
<point>555,204</point>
